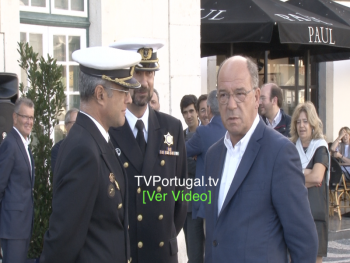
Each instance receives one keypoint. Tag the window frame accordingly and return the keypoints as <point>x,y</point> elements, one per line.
<point>69,12</point>
<point>37,9</point>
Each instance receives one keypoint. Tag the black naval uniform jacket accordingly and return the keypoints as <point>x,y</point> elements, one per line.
<point>283,126</point>
<point>89,219</point>
<point>154,225</point>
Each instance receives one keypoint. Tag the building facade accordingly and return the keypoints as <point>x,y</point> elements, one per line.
<point>58,27</point>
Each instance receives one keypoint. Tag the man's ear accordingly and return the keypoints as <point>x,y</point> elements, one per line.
<point>99,94</point>
<point>14,117</point>
<point>274,100</point>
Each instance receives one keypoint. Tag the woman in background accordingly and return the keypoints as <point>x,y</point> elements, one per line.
<point>306,133</point>
<point>340,147</point>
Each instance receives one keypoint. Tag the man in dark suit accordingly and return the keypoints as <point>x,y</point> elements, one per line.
<point>150,144</point>
<point>198,145</point>
<point>270,106</point>
<point>69,120</point>
<point>17,185</point>
<point>260,207</point>
<point>193,229</point>
<point>89,220</point>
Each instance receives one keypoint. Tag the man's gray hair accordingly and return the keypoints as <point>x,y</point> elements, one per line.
<point>22,100</point>
<point>252,68</point>
<point>87,85</point>
<point>254,72</point>
<point>67,117</point>
<point>213,103</point>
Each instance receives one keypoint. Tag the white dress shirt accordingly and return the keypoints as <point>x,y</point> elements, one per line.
<point>233,158</point>
<point>26,145</point>
<point>99,126</point>
<point>276,120</point>
<point>132,119</point>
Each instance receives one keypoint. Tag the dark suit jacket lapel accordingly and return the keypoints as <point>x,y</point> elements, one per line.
<point>154,142</point>
<point>217,168</point>
<point>247,161</point>
<point>125,139</point>
<point>33,165</point>
<point>107,152</point>
<point>23,150</point>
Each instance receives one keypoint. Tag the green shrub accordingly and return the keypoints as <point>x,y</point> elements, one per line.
<point>46,90</point>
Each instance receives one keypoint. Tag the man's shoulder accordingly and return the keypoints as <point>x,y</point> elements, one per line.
<point>57,145</point>
<point>286,117</point>
<point>276,137</point>
<point>273,143</point>
<point>216,147</point>
<point>79,138</point>
<point>10,139</point>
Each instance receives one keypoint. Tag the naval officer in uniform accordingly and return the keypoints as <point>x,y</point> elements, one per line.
<point>151,143</point>
<point>89,220</point>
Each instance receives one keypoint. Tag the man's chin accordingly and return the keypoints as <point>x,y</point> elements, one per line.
<point>140,103</point>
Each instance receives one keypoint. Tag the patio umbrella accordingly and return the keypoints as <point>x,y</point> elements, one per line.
<point>329,9</point>
<point>325,8</point>
<point>253,26</point>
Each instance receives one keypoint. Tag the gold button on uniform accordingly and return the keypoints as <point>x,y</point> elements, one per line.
<point>161,244</point>
<point>120,205</point>
<point>162,162</point>
<point>140,244</point>
<point>126,165</point>
<point>159,189</point>
<point>139,190</point>
<point>139,217</point>
<point>160,217</point>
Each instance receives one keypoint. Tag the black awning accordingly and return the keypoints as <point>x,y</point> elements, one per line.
<point>325,8</point>
<point>257,25</point>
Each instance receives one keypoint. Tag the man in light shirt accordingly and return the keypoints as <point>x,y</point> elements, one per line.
<point>259,207</point>
<point>270,104</point>
<point>17,185</point>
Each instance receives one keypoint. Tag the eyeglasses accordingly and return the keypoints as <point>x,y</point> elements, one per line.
<point>125,91</point>
<point>25,117</point>
<point>238,95</point>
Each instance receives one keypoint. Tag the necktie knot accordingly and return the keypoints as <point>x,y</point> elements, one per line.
<point>140,125</point>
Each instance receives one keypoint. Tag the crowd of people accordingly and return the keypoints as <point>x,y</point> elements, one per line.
<point>266,172</point>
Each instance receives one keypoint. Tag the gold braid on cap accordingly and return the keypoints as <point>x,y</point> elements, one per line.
<point>122,81</point>
<point>146,53</point>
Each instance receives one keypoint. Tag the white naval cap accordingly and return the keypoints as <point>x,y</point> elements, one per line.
<point>146,47</point>
<point>111,64</point>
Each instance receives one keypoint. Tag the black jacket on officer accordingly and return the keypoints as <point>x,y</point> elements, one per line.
<point>154,225</point>
<point>89,214</point>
